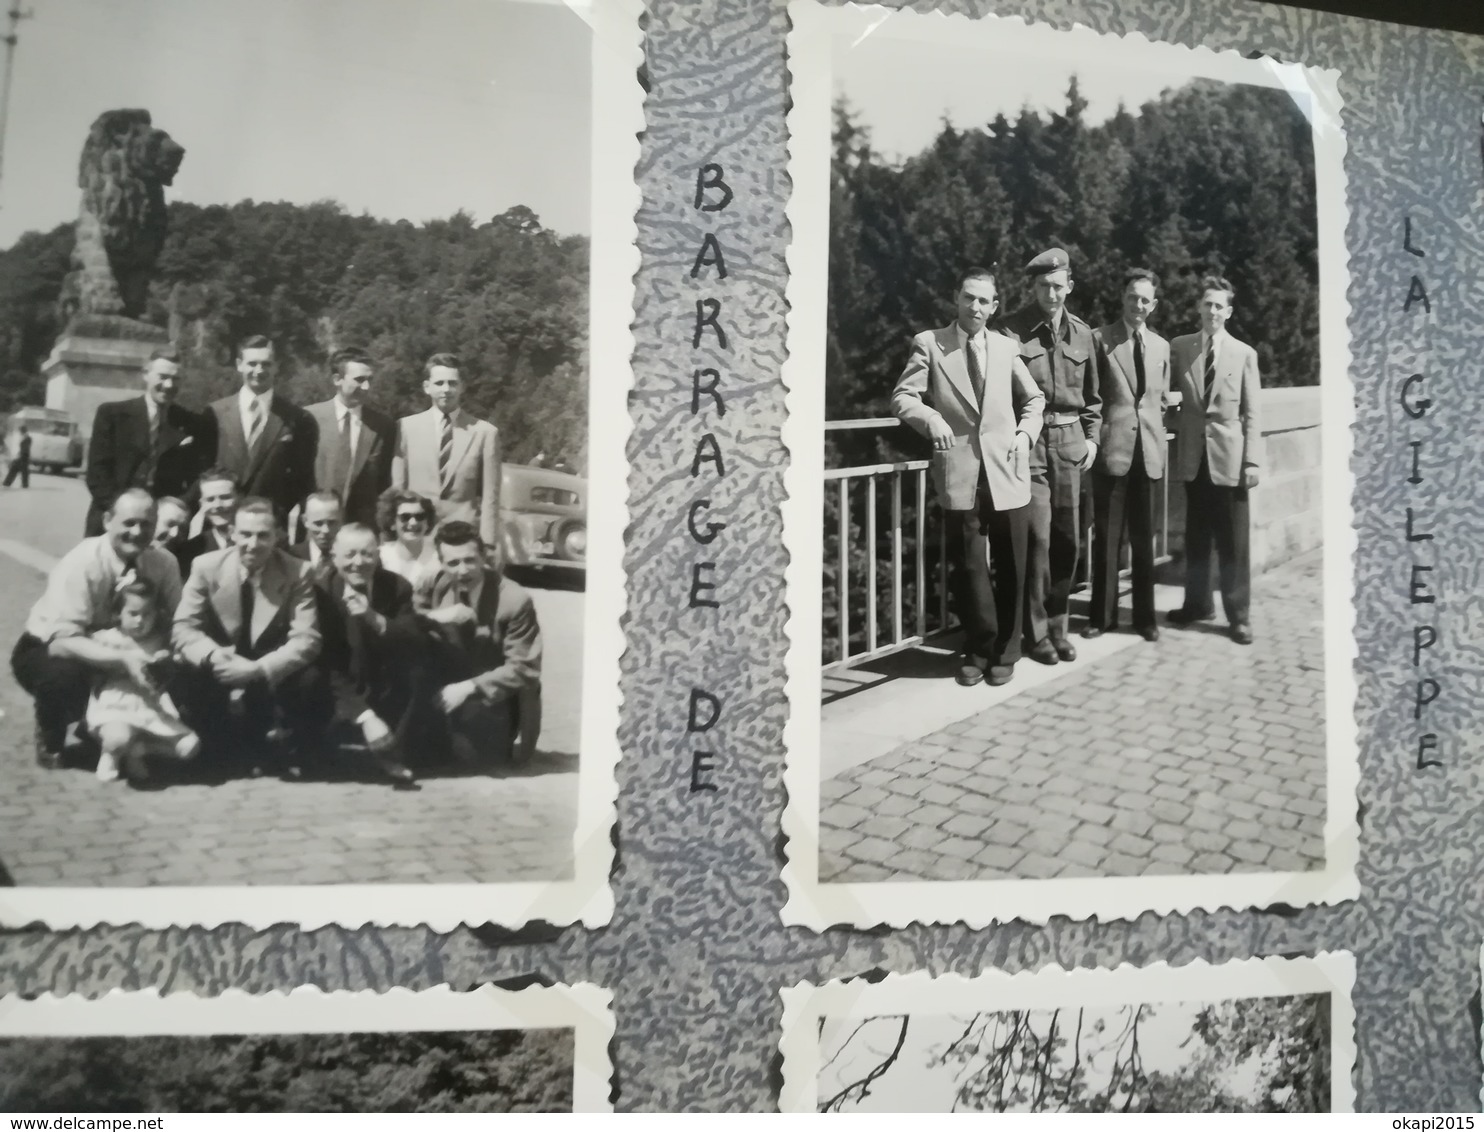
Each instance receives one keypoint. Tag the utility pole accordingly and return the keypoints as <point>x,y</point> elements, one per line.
<point>12,37</point>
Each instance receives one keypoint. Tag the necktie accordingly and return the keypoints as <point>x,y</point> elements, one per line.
<point>1139,366</point>
<point>445,459</point>
<point>254,422</point>
<point>156,431</point>
<point>976,371</point>
<point>340,466</point>
<point>1208,377</point>
<point>244,631</point>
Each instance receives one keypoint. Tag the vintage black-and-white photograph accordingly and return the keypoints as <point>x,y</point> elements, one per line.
<point>315,357</point>
<point>1069,501</point>
<point>488,1050</point>
<point>1252,1036</point>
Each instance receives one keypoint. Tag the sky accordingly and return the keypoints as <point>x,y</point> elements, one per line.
<point>902,86</point>
<point>403,110</point>
<point>914,1084</point>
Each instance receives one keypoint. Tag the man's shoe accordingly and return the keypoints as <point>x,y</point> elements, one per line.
<point>1242,633</point>
<point>1091,633</point>
<point>1043,652</point>
<point>1150,633</point>
<point>47,756</point>
<point>1064,649</point>
<point>999,674</point>
<point>1183,616</point>
<point>395,769</point>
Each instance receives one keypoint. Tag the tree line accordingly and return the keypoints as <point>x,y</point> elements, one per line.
<point>508,296</point>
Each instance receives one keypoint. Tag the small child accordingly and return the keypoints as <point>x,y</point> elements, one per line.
<point>133,719</point>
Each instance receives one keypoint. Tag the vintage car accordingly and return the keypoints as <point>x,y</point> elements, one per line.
<point>56,440</point>
<point>544,512</point>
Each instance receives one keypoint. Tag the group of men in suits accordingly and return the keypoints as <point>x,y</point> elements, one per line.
<point>280,649</point>
<point>1023,419</point>
<point>282,453</point>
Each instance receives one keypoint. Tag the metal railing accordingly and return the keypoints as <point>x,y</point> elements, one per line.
<point>860,631</point>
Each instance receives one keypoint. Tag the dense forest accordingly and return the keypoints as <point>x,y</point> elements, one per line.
<point>455,1071</point>
<point>508,296</point>
<point>1210,178</point>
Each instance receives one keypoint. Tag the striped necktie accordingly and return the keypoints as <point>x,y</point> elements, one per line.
<point>254,423</point>
<point>1208,375</point>
<point>445,458</point>
<point>976,369</point>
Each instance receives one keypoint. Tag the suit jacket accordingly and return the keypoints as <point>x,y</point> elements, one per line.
<point>190,550</point>
<point>371,464</point>
<point>1127,420</point>
<point>504,643</point>
<point>280,466</point>
<point>935,385</point>
<point>1224,424</point>
<point>475,494</point>
<point>285,634</point>
<point>349,654</point>
<point>119,453</point>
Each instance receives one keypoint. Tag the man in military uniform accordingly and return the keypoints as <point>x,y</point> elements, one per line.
<point>1057,348</point>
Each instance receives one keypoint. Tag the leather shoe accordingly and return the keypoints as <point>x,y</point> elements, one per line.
<point>46,757</point>
<point>1242,633</point>
<point>1064,649</point>
<point>1043,652</point>
<point>970,671</point>
<point>399,773</point>
<point>1150,633</point>
<point>1183,616</point>
<point>1091,633</point>
<point>999,674</point>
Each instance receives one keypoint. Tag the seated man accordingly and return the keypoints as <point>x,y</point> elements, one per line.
<point>218,490</point>
<point>323,515</point>
<point>54,661</point>
<point>172,517</point>
<point>486,646</point>
<point>246,633</point>
<point>374,653</point>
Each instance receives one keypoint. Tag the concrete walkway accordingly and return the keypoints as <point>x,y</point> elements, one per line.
<point>1193,754</point>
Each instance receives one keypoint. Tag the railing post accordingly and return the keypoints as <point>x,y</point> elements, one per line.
<point>920,524</point>
<point>844,563</point>
<point>896,559</point>
<point>871,562</point>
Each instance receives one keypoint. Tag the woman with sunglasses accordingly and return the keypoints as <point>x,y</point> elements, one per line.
<point>406,519</point>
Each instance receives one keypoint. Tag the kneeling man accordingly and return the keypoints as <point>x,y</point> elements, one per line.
<point>374,653</point>
<point>487,644</point>
<point>246,630</point>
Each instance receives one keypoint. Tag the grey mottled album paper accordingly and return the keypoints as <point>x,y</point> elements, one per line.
<point>696,952</point>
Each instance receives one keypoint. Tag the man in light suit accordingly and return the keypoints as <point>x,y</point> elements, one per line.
<point>147,441</point>
<point>1133,379</point>
<point>262,437</point>
<point>966,389</point>
<point>246,631</point>
<point>1218,451</point>
<point>450,456</point>
<point>355,442</point>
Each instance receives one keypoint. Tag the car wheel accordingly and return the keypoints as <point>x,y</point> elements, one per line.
<point>570,542</point>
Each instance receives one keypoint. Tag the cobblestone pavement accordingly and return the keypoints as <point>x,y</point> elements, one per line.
<point>63,827</point>
<point>1191,755</point>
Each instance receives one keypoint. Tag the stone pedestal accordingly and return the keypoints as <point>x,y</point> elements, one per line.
<point>84,371</point>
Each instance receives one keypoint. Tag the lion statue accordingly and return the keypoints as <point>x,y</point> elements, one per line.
<point>126,164</point>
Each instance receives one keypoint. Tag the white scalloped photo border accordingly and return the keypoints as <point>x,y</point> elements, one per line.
<point>617,101</point>
<point>807,1005</point>
<point>584,1008</point>
<point>978,903</point>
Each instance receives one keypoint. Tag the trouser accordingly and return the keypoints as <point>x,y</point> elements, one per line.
<point>1217,520</point>
<point>1123,503</point>
<point>20,468</point>
<point>59,685</point>
<point>298,705</point>
<point>1054,533</point>
<point>479,732</point>
<point>986,577</point>
<point>397,682</point>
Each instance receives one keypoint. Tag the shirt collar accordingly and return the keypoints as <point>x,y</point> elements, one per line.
<point>152,411</point>
<point>964,337</point>
<point>341,409</point>
<point>1134,331</point>
<point>247,398</point>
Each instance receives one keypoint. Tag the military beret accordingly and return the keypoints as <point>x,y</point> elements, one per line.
<point>1053,259</point>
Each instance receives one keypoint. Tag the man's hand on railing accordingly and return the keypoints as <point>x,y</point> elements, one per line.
<point>940,434</point>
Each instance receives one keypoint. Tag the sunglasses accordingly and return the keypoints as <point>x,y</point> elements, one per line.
<point>411,517</point>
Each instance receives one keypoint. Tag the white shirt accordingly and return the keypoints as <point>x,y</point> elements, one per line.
<point>1137,332</point>
<point>1211,347</point>
<point>245,402</point>
<point>977,345</point>
<point>80,591</point>
<point>342,410</point>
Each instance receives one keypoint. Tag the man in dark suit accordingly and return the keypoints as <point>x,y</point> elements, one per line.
<point>1134,379</point>
<point>149,441</point>
<point>374,653</point>
<point>965,389</point>
<point>356,442</point>
<point>1218,451</point>
<point>264,438</point>
<point>218,491</point>
<point>322,518</point>
<point>246,632</point>
<point>1057,348</point>
<point>486,646</point>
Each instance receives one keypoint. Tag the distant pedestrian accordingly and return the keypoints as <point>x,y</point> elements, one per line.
<point>20,463</point>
